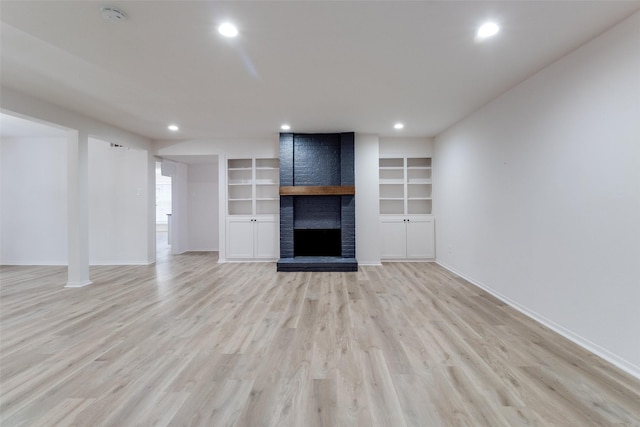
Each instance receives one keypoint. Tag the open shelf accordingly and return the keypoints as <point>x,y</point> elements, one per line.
<point>391,162</point>
<point>419,206</point>
<point>239,164</point>
<point>240,207</point>
<point>268,164</point>
<point>418,163</point>
<point>392,206</point>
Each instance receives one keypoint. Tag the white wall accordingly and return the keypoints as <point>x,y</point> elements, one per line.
<point>194,206</point>
<point>410,147</point>
<point>33,203</point>
<point>538,196</point>
<point>80,126</point>
<point>233,147</point>
<point>190,151</point>
<point>367,151</point>
<point>202,210</point>
<point>367,199</point>
<point>118,207</point>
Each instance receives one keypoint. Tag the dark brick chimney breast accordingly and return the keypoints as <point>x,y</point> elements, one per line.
<point>317,224</point>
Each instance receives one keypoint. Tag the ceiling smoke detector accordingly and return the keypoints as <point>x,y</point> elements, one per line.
<point>114,15</point>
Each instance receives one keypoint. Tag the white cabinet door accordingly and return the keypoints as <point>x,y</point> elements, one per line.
<point>393,235</point>
<point>420,238</point>
<point>240,238</point>
<point>267,238</point>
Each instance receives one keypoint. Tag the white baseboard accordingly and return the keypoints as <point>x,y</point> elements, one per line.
<point>610,357</point>
<point>116,262</point>
<point>78,284</point>
<point>42,263</point>
<point>57,264</point>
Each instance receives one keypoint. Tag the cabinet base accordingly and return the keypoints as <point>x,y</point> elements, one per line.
<point>320,263</point>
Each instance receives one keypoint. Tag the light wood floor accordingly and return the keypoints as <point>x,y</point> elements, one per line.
<point>192,342</point>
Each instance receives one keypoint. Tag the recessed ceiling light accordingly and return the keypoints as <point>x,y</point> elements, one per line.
<point>173,128</point>
<point>285,127</point>
<point>486,30</point>
<point>398,126</point>
<point>227,29</point>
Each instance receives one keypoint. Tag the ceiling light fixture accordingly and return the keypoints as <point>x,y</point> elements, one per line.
<point>285,127</point>
<point>398,126</point>
<point>114,15</point>
<point>486,30</point>
<point>227,29</point>
<point>173,128</point>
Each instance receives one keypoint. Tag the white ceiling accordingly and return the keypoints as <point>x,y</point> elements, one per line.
<point>320,66</point>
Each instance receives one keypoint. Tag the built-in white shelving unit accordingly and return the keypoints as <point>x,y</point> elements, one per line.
<point>253,205</point>
<point>406,223</point>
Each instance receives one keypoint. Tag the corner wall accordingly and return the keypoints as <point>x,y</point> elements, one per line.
<point>538,196</point>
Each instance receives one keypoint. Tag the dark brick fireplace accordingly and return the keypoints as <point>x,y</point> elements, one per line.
<point>317,202</point>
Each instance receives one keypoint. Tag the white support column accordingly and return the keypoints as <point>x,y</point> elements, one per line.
<point>179,202</point>
<point>78,215</point>
<point>151,204</point>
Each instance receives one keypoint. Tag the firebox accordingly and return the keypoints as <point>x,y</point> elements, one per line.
<point>322,242</point>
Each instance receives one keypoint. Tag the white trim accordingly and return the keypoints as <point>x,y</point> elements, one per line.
<point>610,357</point>
<point>57,264</point>
<point>116,263</point>
<point>6,263</point>
<point>78,284</point>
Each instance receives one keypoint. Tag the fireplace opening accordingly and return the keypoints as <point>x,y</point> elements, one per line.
<point>317,242</point>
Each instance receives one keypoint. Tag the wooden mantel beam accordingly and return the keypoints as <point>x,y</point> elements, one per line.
<point>318,190</point>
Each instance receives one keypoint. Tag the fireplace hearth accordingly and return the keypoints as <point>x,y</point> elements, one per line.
<point>317,202</point>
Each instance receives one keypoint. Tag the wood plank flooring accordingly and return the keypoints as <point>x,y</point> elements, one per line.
<point>191,342</point>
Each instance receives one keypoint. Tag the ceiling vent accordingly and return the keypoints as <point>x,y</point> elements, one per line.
<point>114,15</point>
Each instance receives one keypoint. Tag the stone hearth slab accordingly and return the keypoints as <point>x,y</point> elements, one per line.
<point>310,263</point>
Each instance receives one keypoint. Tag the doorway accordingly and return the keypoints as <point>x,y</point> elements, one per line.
<point>163,213</point>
